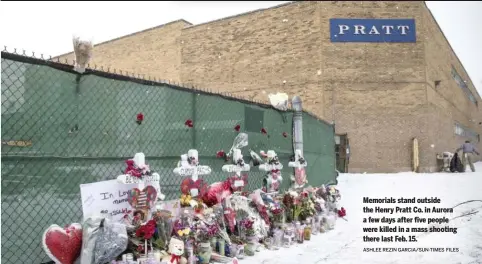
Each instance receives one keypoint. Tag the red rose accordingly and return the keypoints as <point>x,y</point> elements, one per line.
<point>342,212</point>
<point>237,127</point>
<point>263,131</point>
<point>189,123</point>
<point>220,154</point>
<point>140,118</point>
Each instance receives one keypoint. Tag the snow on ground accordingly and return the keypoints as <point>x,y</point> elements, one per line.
<point>344,244</point>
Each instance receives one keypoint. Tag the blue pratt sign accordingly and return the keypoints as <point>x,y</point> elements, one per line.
<point>372,30</point>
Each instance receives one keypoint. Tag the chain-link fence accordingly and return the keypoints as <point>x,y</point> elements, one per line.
<point>61,129</point>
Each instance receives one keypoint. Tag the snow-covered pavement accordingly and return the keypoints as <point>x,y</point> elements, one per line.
<point>345,243</point>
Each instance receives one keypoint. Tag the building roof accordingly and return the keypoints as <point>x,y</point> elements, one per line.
<point>133,34</point>
<point>186,22</point>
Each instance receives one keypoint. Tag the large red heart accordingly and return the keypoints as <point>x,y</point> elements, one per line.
<point>63,245</point>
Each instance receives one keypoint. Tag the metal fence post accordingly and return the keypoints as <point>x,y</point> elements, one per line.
<point>297,124</point>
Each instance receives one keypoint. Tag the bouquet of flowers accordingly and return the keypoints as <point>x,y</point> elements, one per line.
<point>205,232</point>
<point>164,225</point>
<point>182,231</point>
<point>141,238</point>
<point>247,226</point>
<point>306,207</point>
<point>290,202</point>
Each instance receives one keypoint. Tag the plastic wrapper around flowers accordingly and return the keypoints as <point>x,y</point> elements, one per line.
<point>219,222</point>
<point>103,241</point>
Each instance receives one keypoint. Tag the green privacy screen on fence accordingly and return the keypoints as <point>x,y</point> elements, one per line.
<point>61,129</point>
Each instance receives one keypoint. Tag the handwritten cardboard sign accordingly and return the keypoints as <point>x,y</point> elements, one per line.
<point>109,198</point>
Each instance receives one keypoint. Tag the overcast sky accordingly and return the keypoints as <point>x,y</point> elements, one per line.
<point>47,27</point>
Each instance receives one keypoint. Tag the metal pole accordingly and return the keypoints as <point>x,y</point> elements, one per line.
<point>297,124</point>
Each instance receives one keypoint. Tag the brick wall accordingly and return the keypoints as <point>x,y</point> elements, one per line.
<point>381,94</point>
<point>262,52</point>
<point>448,103</point>
<point>377,88</point>
<point>153,52</point>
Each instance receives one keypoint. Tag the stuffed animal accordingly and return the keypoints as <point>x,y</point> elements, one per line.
<point>176,252</point>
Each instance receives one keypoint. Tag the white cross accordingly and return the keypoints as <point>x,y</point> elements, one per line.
<point>185,168</point>
<point>153,179</point>
<point>299,162</point>
<point>193,171</point>
<point>236,167</point>
<point>269,167</point>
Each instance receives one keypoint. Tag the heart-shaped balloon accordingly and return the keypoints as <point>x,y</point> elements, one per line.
<point>63,245</point>
<point>144,199</point>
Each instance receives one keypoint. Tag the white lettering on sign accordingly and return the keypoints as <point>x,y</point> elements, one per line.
<point>343,28</point>
<point>358,29</point>
<point>388,29</point>
<point>362,30</point>
<point>108,198</point>
<point>403,29</point>
<point>374,31</point>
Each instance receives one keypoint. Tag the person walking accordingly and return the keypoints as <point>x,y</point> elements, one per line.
<point>468,150</point>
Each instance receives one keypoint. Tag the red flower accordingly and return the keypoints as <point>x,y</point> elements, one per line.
<point>285,134</point>
<point>220,154</point>
<point>237,127</point>
<point>140,118</point>
<point>147,231</point>
<point>189,123</point>
<point>342,212</point>
<point>264,131</point>
<point>140,248</point>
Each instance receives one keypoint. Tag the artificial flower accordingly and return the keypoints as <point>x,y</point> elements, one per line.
<point>147,231</point>
<point>342,212</point>
<point>263,131</point>
<point>185,199</point>
<point>220,154</point>
<point>184,231</point>
<point>237,128</point>
<point>189,123</point>
<point>140,118</point>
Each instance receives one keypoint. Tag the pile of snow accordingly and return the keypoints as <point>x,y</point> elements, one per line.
<point>344,244</point>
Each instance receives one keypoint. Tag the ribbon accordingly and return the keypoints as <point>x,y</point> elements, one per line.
<point>175,258</point>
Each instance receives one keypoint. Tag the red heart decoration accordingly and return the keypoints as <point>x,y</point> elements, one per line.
<point>63,245</point>
<point>142,199</point>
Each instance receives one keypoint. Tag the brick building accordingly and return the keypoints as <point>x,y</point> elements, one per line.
<point>382,94</point>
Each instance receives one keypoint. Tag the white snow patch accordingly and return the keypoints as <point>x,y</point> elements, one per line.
<point>344,244</point>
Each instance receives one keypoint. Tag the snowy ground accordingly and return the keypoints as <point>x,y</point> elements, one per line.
<point>345,244</point>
